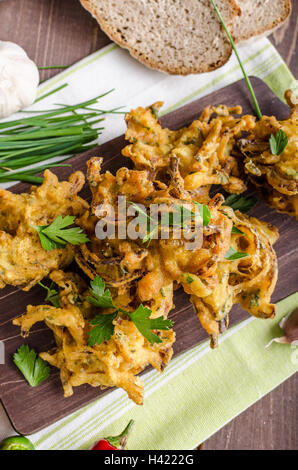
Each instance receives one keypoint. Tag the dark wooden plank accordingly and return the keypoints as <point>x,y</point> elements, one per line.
<point>46,403</point>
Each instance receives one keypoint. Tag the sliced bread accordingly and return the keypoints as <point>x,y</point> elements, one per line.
<point>175,36</point>
<point>259,17</point>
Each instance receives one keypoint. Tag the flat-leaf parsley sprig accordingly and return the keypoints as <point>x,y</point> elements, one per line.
<point>233,254</point>
<point>57,235</point>
<point>34,368</point>
<point>52,295</point>
<point>103,324</point>
<point>240,203</point>
<point>278,142</point>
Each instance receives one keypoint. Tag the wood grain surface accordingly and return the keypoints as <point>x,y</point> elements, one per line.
<point>56,32</point>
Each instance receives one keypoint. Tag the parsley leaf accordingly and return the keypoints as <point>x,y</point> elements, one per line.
<point>46,243</point>
<point>34,369</point>
<point>57,235</point>
<point>240,203</point>
<point>204,213</point>
<point>52,295</point>
<point>232,254</point>
<point>189,279</point>
<point>236,230</point>
<point>278,142</point>
<point>187,214</point>
<point>103,330</point>
<point>154,111</point>
<point>143,322</point>
<point>101,297</point>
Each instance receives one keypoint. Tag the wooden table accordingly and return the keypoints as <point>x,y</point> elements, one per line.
<point>56,32</point>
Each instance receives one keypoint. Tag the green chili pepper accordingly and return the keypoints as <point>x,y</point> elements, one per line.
<point>16,443</point>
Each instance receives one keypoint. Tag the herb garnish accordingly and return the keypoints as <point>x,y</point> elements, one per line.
<point>101,297</point>
<point>34,368</point>
<point>204,213</point>
<point>57,235</point>
<point>240,203</point>
<point>278,142</point>
<point>236,230</point>
<point>189,279</point>
<point>154,111</point>
<point>104,328</point>
<point>232,254</point>
<point>52,295</point>
<point>103,324</point>
<point>143,322</point>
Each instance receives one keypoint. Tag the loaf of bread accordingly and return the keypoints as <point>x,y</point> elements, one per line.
<point>259,17</point>
<point>175,36</point>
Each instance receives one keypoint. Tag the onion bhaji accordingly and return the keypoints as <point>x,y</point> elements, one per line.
<point>204,149</point>
<point>213,282</point>
<point>113,363</point>
<point>276,176</point>
<point>172,168</point>
<point>23,261</point>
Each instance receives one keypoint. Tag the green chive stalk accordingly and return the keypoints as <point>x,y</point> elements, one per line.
<point>46,134</point>
<point>49,67</point>
<point>248,82</point>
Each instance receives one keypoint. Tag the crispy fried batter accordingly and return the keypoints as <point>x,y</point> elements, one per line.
<point>216,283</point>
<point>204,149</point>
<point>249,281</point>
<point>113,363</point>
<point>23,261</point>
<point>276,176</point>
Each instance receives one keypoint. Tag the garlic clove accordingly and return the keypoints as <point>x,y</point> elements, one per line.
<point>289,324</point>
<point>19,79</point>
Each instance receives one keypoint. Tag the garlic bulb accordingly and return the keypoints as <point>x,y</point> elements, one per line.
<point>19,78</point>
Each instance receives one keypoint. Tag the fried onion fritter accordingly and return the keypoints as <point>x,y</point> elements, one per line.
<point>113,363</point>
<point>204,149</point>
<point>131,264</point>
<point>249,281</point>
<point>276,176</point>
<point>23,261</point>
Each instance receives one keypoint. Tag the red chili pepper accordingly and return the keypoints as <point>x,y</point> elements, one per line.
<point>114,442</point>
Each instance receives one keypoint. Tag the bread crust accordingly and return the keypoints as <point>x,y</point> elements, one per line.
<point>116,37</point>
<point>266,31</point>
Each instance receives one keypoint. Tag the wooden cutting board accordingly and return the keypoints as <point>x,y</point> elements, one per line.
<point>31,409</point>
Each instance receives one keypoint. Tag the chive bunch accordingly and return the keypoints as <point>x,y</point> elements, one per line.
<point>45,135</point>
